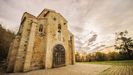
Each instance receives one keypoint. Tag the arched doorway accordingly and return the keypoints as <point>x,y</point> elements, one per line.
<point>58,56</point>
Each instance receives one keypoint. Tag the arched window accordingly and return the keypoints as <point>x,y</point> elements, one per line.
<point>41,28</point>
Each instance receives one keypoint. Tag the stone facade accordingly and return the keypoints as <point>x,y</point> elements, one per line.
<point>42,42</point>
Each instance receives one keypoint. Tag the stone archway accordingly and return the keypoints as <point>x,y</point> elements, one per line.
<point>58,56</point>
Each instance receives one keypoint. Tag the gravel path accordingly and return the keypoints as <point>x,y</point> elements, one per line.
<point>122,69</point>
<point>77,69</point>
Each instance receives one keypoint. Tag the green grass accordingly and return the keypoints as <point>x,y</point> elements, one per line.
<point>123,67</point>
<point>111,62</point>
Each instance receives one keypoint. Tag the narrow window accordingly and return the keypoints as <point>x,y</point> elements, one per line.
<point>59,32</point>
<point>54,19</point>
<point>59,28</point>
<point>41,28</point>
<point>64,23</point>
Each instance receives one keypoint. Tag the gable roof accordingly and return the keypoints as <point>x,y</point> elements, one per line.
<point>27,14</point>
<point>45,12</point>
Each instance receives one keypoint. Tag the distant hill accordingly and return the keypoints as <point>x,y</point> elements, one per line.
<point>6,38</point>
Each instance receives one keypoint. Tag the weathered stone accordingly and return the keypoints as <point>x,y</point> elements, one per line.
<point>41,42</point>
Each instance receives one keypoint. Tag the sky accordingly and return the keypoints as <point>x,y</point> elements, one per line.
<point>93,22</point>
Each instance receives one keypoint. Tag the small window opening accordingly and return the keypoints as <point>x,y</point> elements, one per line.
<point>59,28</point>
<point>54,19</point>
<point>41,28</point>
<point>64,23</point>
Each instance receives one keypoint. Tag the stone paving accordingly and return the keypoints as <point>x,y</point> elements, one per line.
<point>77,69</point>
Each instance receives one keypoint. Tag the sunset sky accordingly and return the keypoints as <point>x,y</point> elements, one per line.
<point>93,22</point>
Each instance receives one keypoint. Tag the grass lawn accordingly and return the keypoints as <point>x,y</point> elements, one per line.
<point>120,62</point>
<point>123,67</point>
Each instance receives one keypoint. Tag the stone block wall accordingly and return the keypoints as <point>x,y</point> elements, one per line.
<point>33,46</point>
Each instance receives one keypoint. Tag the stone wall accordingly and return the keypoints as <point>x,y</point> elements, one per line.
<point>54,36</point>
<point>36,39</point>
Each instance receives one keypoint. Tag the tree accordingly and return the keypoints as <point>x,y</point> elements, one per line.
<point>100,56</point>
<point>113,56</point>
<point>77,57</point>
<point>124,44</point>
<point>6,38</point>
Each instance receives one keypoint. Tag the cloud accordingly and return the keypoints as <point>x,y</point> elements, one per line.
<point>101,16</point>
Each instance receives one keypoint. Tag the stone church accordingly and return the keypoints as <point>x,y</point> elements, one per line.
<point>42,42</point>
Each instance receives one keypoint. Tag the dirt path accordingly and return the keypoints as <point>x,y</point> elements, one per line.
<point>77,69</point>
